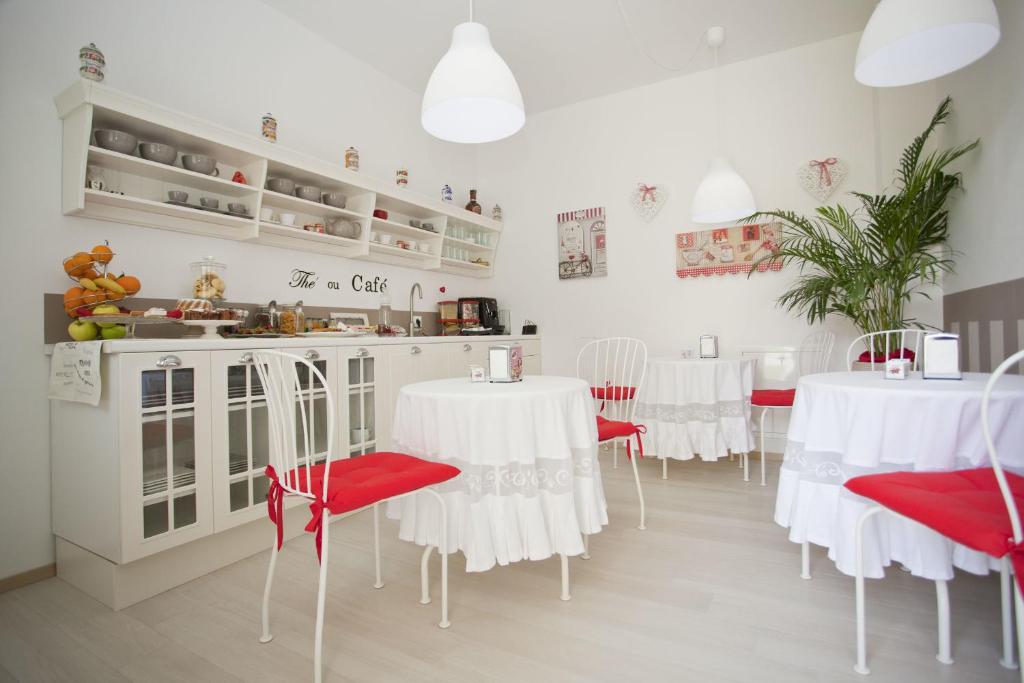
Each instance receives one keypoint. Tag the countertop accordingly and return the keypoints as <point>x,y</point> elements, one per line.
<point>198,344</point>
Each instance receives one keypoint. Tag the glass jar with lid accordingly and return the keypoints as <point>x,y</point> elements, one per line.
<point>208,279</point>
<point>292,320</point>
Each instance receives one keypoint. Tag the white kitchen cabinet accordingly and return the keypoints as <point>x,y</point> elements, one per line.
<point>407,364</point>
<point>240,445</point>
<point>166,488</point>
<point>463,354</point>
<point>360,396</point>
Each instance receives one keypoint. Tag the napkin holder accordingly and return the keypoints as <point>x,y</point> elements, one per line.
<point>941,356</point>
<point>708,346</point>
<point>506,363</point>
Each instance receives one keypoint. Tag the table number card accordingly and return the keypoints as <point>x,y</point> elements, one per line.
<point>941,356</point>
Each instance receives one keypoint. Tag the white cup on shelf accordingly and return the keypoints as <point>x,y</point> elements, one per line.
<point>266,213</point>
<point>385,238</point>
<point>288,218</point>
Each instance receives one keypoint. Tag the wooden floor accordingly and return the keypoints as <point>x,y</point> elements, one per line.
<point>710,592</point>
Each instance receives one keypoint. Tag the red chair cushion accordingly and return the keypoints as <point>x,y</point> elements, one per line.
<point>354,483</point>
<point>614,429</point>
<point>965,506</point>
<point>905,354</point>
<point>781,398</point>
<point>611,393</point>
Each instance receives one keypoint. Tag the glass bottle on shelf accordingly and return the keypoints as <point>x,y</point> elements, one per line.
<point>473,205</point>
<point>384,313</point>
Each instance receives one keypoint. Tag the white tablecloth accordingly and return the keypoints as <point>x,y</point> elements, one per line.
<point>696,407</point>
<point>530,482</point>
<point>847,424</point>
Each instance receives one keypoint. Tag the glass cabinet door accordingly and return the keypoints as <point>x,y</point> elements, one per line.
<point>241,444</point>
<point>359,401</point>
<point>168,406</point>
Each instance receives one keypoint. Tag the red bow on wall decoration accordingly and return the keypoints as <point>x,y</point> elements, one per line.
<point>824,174</point>
<point>647,192</point>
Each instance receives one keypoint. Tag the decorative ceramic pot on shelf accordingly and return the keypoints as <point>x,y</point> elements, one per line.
<point>496,212</point>
<point>93,63</point>
<point>268,128</point>
<point>473,204</point>
<point>352,159</point>
<point>446,193</point>
<point>402,177</point>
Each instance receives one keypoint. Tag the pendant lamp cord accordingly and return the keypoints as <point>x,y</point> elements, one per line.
<point>718,104</point>
<point>470,10</point>
<point>638,46</point>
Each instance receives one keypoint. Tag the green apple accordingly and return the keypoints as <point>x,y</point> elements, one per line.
<point>83,330</point>
<point>115,332</point>
<point>106,309</point>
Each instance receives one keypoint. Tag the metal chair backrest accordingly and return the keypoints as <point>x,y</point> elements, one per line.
<point>615,368</point>
<point>1004,487</point>
<point>886,343</point>
<point>816,352</point>
<point>292,421</point>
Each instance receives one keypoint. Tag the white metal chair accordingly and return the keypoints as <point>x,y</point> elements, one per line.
<point>978,508</point>
<point>615,368</point>
<point>878,347</point>
<point>813,357</point>
<point>330,485</point>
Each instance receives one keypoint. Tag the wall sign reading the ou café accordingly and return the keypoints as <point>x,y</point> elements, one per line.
<point>727,251</point>
<point>308,279</point>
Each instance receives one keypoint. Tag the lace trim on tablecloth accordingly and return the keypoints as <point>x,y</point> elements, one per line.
<point>549,475</point>
<point>691,412</point>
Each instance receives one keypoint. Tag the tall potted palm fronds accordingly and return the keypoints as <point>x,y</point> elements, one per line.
<point>867,264</point>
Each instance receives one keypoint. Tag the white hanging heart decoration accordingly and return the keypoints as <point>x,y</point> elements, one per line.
<point>648,200</point>
<point>821,178</point>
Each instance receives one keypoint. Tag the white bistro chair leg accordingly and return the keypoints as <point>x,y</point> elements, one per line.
<point>376,547</point>
<point>565,578</point>
<point>1008,659</point>
<point>321,596</point>
<point>425,576</point>
<point>805,560</point>
<point>664,468</point>
<point>266,637</point>
<point>615,454</point>
<point>942,600</point>
<point>764,412</point>
<point>861,666</point>
<point>639,493</point>
<point>586,547</point>
<point>745,459</point>
<point>1018,606</point>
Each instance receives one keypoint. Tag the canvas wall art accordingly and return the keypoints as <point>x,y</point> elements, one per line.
<point>582,251</point>
<point>726,251</point>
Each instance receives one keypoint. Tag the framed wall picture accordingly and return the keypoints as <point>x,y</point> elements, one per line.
<point>582,249</point>
<point>726,251</point>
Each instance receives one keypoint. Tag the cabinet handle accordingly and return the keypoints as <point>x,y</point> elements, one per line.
<point>245,359</point>
<point>168,362</point>
<point>362,353</point>
<point>312,354</point>
<point>467,347</point>
<point>414,350</point>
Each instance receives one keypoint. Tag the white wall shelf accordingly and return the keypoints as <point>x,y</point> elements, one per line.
<point>86,107</point>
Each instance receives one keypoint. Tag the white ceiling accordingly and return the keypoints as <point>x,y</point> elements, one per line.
<point>564,51</point>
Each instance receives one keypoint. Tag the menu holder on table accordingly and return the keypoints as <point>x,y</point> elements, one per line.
<point>708,346</point>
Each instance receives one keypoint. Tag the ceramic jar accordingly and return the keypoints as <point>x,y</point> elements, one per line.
<point>268,128</point>
<point>446,193</point>
<point>92,62</point>
<point>402,177</point>
<point>496,212</point>
<point>352,159</point>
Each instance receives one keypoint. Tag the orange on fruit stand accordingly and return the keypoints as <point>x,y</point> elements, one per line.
<point>89,298</point>
<point>130,283</point>
<point>77,265</point>
<point>73,298</point>
<point>102,253</point>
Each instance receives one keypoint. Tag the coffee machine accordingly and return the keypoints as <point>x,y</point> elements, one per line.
<point>479,315</point>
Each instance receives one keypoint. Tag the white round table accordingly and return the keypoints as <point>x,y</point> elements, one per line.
<point>530,483</point>
<point>696,407</point>
<point>847,424</point>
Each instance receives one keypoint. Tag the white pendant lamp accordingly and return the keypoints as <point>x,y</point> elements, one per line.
<point>722,196</point>
<point>472,95</point>
<point>910,41</point>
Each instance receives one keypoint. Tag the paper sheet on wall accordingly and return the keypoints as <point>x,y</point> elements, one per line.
<point>75,372</point>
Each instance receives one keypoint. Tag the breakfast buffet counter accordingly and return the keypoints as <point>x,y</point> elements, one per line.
<point>224,344</point>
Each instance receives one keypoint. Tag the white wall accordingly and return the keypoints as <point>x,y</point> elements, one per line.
<point>988,101</point>
<point>779,111</point>
<point>228,61</point>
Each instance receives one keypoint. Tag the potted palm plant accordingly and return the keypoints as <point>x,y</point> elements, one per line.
<point>867,264</point>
